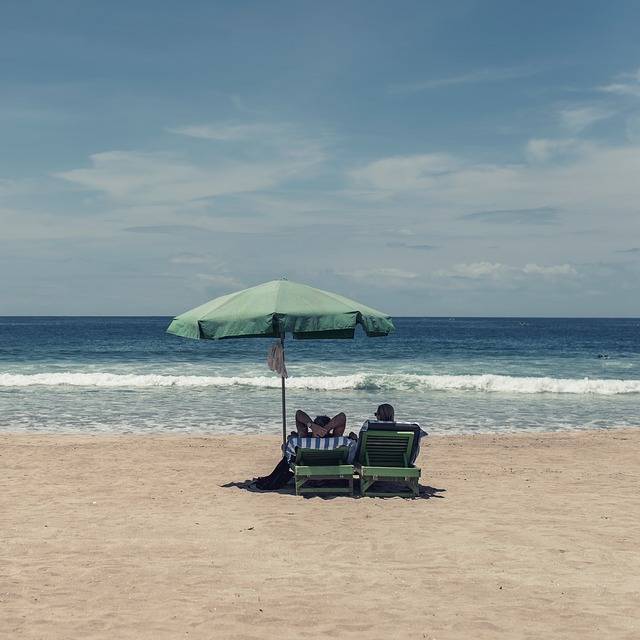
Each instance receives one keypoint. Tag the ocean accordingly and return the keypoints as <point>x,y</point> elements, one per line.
<point>453,375</point>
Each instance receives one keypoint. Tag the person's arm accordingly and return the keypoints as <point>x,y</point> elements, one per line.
<point>318,431</point>
<point>337,425</point>
<point>302,423</point>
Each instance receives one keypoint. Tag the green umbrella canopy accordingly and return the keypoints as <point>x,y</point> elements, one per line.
<point>276,308</point>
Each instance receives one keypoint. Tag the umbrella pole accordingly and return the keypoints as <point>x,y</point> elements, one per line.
<point>284,403</point>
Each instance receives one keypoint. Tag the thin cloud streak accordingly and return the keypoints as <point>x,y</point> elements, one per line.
<point>379,275</point>
<point>499,271</point>
<point>625,84</point>
<point>168,229</point>
<point>413,247</point>
<point>230,132</point>
<point>473,77</point>
<point>535,216</point>
<point>579,118</point>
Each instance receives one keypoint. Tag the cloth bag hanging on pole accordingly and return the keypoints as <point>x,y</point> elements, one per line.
<point>275,360</point>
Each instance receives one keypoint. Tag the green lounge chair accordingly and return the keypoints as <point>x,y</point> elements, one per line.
<point>319,464</point>
<point>384,456</point>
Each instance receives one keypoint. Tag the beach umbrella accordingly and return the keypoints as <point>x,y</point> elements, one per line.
<point>275,309</point>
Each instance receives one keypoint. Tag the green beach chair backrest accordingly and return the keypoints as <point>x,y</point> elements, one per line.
<point>386,448</point>
<point>321,457</point>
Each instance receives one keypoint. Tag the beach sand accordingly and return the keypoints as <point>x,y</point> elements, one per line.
<point>527,536</point>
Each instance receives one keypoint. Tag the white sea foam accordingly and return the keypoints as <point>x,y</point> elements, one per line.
<point>358,381</point>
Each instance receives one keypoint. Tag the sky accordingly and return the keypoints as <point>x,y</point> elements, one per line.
<point>470,158</point>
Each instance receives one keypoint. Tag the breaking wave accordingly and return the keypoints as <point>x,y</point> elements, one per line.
<point>489,383</point>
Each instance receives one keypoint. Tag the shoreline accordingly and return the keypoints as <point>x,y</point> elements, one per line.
<point>157,536</point>
<point>230,434</point>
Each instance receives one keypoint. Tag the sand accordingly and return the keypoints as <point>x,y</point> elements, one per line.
<point>529,536</point>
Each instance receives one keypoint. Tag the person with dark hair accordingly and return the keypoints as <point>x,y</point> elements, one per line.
<point>322,426</point>
<point>385,413</point>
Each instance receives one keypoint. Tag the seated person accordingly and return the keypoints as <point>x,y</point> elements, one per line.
<point>322,426</point>
<point>385,420</point>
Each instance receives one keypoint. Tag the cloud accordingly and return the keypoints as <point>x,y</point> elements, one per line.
<point>536,215</point>
<point>228,132</point>
<point>220,280</point>
<point>167,229</point>
<point>191,258</point>
<point>276,140</point>
<point>377,275</point>
<point>554,270</point>
<point>137,177</point>
<point>404,172</point>
<point>583,184</point>
<point>415,247</point>
<point>162,177</point>
<point>545,149</point>
<point>14,187</point>
<point>473,270</point>
<point>473,77</point>
<point>625,84</point>
<point>498,271</point>
<point>577,119</point>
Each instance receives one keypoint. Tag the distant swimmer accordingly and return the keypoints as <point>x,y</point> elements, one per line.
<point>603,355</point>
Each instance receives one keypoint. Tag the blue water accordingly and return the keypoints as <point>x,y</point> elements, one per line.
<point>452,375</point>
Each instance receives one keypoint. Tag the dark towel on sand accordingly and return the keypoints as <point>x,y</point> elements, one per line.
<point>277,478</point>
